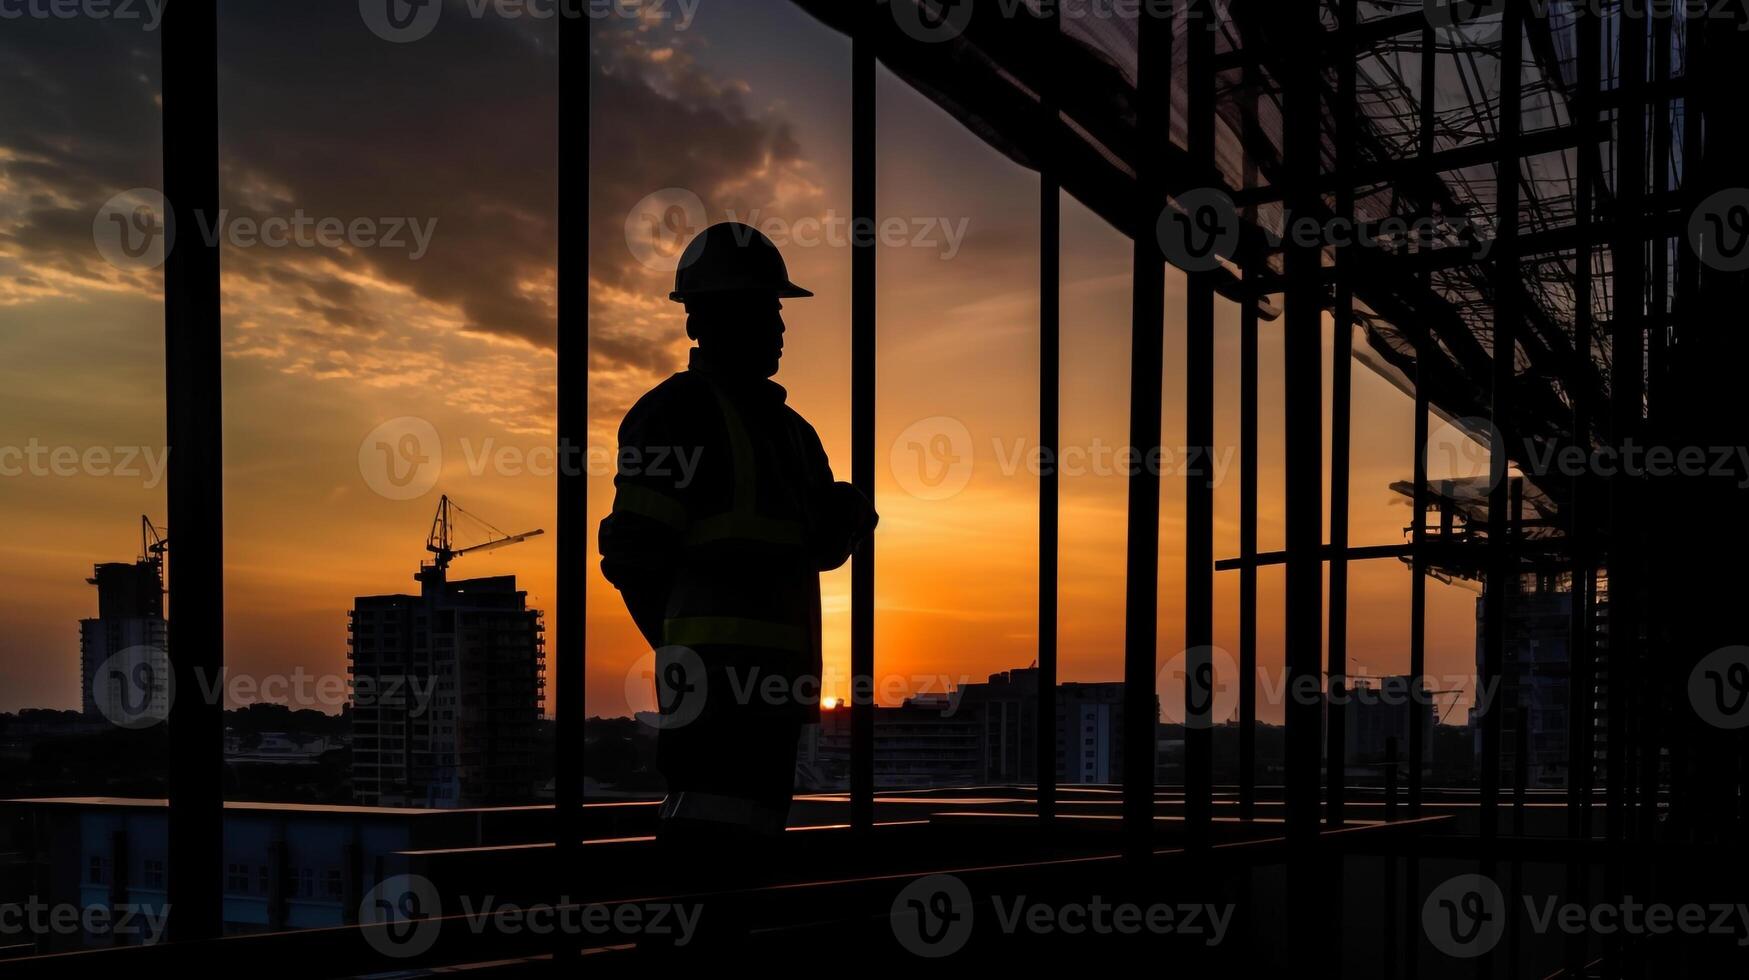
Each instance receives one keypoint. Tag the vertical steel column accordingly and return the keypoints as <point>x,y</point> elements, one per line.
<point>1147,362</point>
<point>1050,209</point>
<point>1341,397</point>
<point>862,414</point>
<point>572,542</point>
<point>195,484</point>
<point>1502,558</point>
<point>1693,802</point>
<point>1303,424</point>
<point>1199,415</point>
<point>1657,682</point>
<point>1581,719</point>
<point>1627,377</point>
<point>1420,707</point>
<point>1248,318</point>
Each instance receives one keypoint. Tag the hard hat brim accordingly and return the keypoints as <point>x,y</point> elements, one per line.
<point>788,290</point>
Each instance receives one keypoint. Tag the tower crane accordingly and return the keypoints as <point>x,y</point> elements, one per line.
<point>154,541</point>
<point>441,541</point>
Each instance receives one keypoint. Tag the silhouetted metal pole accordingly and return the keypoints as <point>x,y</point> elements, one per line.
<point>1502,560</point>
<point>1421,709</point>
<point>1627,392</point>
<point>1341,397</point>
<point>195,487</point>
<point>1050,261</point>
<point>1142,559</point>
<point>1199,414</point>
<point>862,415</point>
<point>1303,426</point>
<point>571,542</point>
<point>1248,324</point>
<point>1581,717</point>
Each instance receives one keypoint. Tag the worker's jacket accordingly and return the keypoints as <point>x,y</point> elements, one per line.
<point>724,493</point>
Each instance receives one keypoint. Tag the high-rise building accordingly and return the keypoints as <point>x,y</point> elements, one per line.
<point>1533,689</point>
<point>1089,723</point>
<point>922,742</point>
<point>124,663</point>
<point>1379,709</point>
<point>447,687</point>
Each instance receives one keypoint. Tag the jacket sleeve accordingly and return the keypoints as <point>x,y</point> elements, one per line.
<point>844,517</point>
<point>640,540</point>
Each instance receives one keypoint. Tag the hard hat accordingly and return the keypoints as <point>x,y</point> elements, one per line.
<point>732,258</point>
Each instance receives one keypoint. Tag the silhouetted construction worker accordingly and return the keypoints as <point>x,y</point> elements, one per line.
<point>724,515</point>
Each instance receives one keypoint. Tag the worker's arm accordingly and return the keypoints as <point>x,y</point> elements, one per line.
<point>641,538</point>
<point>845,518</point>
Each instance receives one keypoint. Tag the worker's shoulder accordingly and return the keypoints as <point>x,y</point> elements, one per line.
<point>796,417</point>
<point>675,399</point>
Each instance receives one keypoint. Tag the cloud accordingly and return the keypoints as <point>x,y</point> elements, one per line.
<point>321,118</point>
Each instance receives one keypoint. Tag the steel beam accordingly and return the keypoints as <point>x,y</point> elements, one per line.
<point>572,541</point>
<point>1501,577</point>
<point>1147,357</point>
<point>1199,414</point>
<point>1341,398</point>
<point>195,482</point>
<point>862,417</point>
<point>1050,258</point>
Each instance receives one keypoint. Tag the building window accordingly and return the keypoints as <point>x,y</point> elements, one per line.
<point>266,880</point>
<point>237,879</point>
<point>96,871</point>
<point>154,874</point>
<point>306,882</point>
<point>336,887</point>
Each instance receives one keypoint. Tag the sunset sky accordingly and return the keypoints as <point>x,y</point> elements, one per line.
<point>747,107</point>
